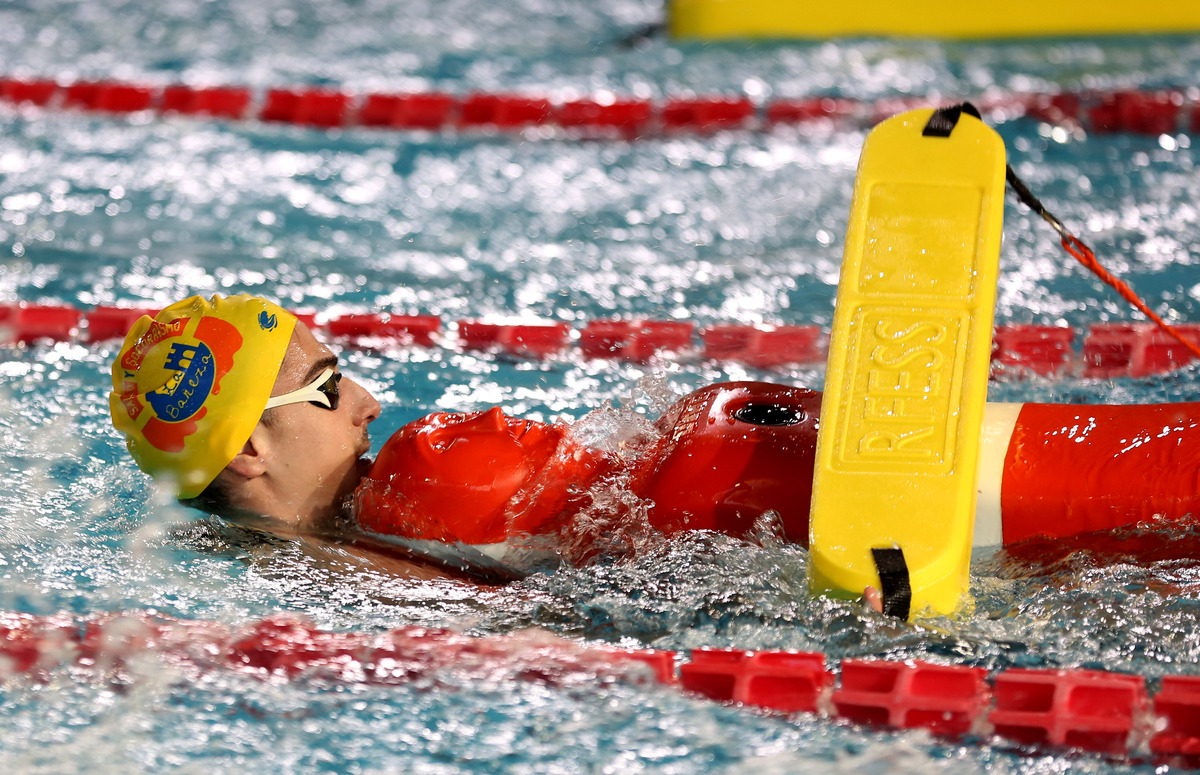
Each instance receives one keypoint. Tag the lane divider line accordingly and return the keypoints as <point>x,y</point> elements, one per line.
<point>1108,350</point>
<point>1109,713</point>
<point>1147,112</point>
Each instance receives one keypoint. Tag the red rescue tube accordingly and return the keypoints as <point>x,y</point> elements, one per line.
<point>731,452</point>
<point>728,453</point>
<point>1071,469</point>
<point>478,478</point>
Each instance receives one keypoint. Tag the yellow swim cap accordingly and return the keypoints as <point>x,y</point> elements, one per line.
<point>190,385</point>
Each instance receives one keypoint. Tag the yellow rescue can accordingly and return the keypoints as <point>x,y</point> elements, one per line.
<point>909,354</point>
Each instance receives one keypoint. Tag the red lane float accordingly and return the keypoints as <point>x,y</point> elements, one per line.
<point>635,340</point>
<point>1144,113</point>
<point>409,111</point>
<point>1177,706</point>
<point>30,323</point>
<point>1151,112</point>
<point>707,114</point>
<point>522,340</point>
<point>1041,350</point>
<point>948,700</point>
<point>627,117</point>
<point>1055,108</point>
<point>290,648</point>
<point>503,111</point>
<point>763,348</point>
<point>1092,710</point>
<point>807,110</point>
<point>1109,350</point>
<point>1136,350</point>
<point>219,102</point>
<point>39,92</point>
<point>313,107</point>
<point>105,323</point>
<point>788,681</point>
<point>109,97</point>
<point>402,329</point>
<point>1089,709</point>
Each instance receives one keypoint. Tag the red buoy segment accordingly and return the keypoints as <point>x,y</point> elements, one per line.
<point>635,340</point>
<point>948,700</point>
<point>409,111</point>
<point>788,681</point>
<point>31,323</point>
<point>310,107</point>
<point>521,339</point>
<point>418,330</point>
<point>1135,350</point>
<point>1042,350</point>
<point>220,102</point>
<point>504,111</point>
<point>707,114</point>
<point>1145,113</point>
<point>628,117</point>
<point>36,92</point>
<point>763,347</point>
<point>1088,709</point>
<point>1177,707</point>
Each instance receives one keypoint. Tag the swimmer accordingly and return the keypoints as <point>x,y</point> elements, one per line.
<point>240,412</point>
<point>235,406</point>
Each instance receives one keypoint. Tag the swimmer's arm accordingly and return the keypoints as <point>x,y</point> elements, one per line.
<point>350,555</point>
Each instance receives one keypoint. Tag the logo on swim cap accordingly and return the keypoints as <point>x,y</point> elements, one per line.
<point>183,396</point>
<point>267,321</point>
<point>194,374</point>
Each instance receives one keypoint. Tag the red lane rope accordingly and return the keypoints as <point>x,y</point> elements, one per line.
<point>1094,710</point>
<point>1154,112</point>
<point>1108,349</point>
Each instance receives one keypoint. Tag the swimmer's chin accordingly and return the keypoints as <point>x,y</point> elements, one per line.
<point>345,511</point>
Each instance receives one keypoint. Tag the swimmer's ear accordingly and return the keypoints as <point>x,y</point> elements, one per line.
<point>250,462</point>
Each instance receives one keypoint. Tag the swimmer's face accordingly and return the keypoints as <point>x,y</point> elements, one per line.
<point>316,452</point>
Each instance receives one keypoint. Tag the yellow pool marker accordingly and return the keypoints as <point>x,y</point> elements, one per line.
<point>790,19</point>
<point>909,353</point>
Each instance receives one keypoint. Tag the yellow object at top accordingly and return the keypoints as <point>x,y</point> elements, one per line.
<point>190,385</point>
<point>909,353</point>
<point>782,19</point>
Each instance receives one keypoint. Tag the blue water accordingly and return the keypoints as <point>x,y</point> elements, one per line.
<point>741,226</point>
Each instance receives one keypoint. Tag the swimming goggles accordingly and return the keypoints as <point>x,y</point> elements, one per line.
<point>322,391</point>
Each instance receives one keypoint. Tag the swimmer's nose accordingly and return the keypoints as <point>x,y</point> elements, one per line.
<point>363,405</point>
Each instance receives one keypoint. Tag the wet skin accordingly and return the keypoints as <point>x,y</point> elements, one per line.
<point>317,453</point>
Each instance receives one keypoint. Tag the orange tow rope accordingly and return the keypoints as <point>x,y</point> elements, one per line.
<point>1087,257</point>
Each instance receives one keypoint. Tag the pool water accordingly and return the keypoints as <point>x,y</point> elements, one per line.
<point>739,226</point>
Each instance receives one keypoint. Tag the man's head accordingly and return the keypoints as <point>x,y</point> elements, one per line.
<point>233,404</point>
